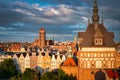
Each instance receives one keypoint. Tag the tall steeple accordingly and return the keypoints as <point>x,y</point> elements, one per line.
<point>95,17</point>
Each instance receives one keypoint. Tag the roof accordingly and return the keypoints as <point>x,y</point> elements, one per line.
<point>80,34</point>
<point>69,62</point>
<point>41,28</point>
<point>88,36</point>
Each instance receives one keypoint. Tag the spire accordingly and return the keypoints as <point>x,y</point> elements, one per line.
<point>102,18</point>
<point>95,17</point>
<point>53,37</point>
<point>89,16</point>
<point>75,40</point>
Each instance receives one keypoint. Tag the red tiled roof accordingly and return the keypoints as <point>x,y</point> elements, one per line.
<point>69,62</point>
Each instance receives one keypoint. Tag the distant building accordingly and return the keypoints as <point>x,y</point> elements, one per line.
<point>33,60</point>
<point>21,61</point>
<point>42,36</point>
<point>40,58</point>
<point>3,57</point>
<point>14,47</point>
<point>41,40</point>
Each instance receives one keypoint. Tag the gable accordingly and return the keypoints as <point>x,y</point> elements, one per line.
<point>98,33</point>
<point>69,62</point>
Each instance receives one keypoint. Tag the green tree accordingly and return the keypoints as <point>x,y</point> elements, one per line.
<point>67,77</point>
<point>29,74</point>
<point>8,69</point>
<point>61,74</point>
<point>49,76</point>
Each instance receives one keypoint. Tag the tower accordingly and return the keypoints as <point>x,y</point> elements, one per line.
<point>42,37</point>
<point>96,49</point>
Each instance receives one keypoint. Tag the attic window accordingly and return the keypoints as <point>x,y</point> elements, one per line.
<point>98,41</point>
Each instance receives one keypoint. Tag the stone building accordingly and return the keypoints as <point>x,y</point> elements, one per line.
<point>96,49</point>
<point>41,41</point>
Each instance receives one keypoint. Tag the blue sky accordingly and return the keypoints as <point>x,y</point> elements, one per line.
<point>20,20</point>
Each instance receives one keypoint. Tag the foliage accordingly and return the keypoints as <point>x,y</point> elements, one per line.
<point>8,69</point>
<point>67,77</point>
<point>30,74</point>
<point>59,76</point>
<point>49,76</point>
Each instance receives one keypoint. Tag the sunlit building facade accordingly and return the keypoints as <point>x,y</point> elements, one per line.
<point>96,49</point>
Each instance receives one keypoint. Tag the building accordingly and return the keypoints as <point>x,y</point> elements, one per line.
<point>41,40</point>
<point>96,49</point>
<point>70,67</point>
<point>42,36</point>
<point>14,47</point>
<point>21,61</point>
<point>3,57</point>
<point>57,60</point>
<point>27,60</point>
<point>33,60</point>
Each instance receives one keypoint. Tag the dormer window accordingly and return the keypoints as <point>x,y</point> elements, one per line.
<point>98,41</point>
<point>98,36</point>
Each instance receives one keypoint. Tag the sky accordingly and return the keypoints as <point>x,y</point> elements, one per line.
<point>20,20</point>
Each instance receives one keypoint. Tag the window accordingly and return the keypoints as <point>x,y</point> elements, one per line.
<point>98,64</point>
<point>109,64</point>
<point>98,41</point>
<point>88,64</point>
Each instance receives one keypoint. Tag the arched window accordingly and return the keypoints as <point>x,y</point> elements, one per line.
<point>88,64</point>
<point>98,64</point>
<point>109,64</point>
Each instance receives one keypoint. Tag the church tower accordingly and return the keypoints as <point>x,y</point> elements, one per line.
<point>42,37</point>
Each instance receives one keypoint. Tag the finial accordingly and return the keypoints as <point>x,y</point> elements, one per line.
<point>95,17</point>
<point>95,3</point>
<point>89,16</point>
<point>102,18</point>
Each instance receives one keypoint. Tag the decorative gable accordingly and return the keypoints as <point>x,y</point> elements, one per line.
<point>98,37</point>
<point>98,33</point>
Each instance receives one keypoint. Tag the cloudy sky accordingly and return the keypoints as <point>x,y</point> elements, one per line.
<point>20,20</point>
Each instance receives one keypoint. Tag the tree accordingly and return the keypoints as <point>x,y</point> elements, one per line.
<point>30,74</point>
<point>49,76</point>
<point>8,69</point>
<point>61,74</point>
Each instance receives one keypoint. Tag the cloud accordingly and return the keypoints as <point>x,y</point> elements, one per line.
<point>56,16</point>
